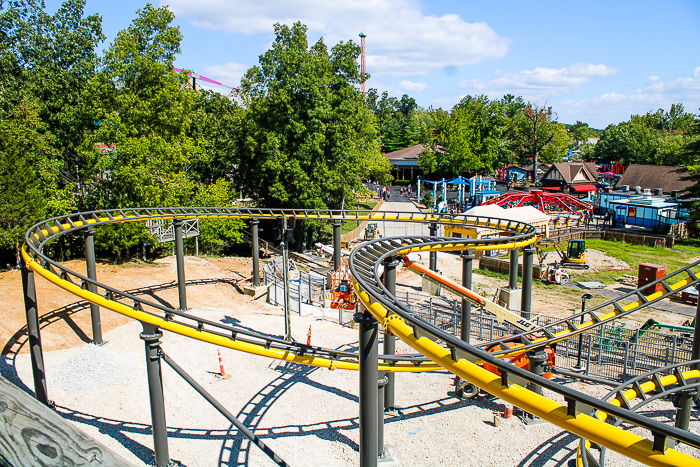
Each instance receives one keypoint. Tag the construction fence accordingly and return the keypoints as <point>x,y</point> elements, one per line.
<point>611,352</point>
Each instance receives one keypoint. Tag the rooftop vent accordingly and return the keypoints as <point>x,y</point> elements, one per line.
<point>638,189</point>
<point>658,191</point>
<point>647,191</point>
<point>624,188</point>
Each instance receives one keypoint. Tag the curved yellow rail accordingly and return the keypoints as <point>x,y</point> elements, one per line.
<point>617,439</point>
<point>203,335</point>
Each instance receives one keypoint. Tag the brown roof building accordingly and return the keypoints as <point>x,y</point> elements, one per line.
<point>576,177</point>
<point>652,177</point>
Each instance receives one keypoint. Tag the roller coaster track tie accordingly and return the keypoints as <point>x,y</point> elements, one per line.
<point>657,381</point>
<point>504,378</point>
<point>453,352</point>
<point>570,406</point>
<point>617,306</point>
<point>548,333</point>
<point>41,235</point>
<point>597,319</point>
<point>666,286</point>
<point>679,377</point>
<point>200,326</point>
<point>233,335</point>
<point>109,295</point>
<point>638,388</point>
<point>66,277</point>
<point>70,222</point>
<point>692,275</point>
<point>168,316</point>
<point>268,344</point>
<point>659,442</point>
<point>642,298</point>
<point>59,226</point>
<point>82,219</point>
<point>572,326</point>
<point>623,400</point>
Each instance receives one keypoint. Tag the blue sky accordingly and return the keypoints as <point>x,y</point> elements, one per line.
<point>596,61</point>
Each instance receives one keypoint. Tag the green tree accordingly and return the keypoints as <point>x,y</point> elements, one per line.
<point>28,175</point>
<point>579,132</point>
<point>472,138</point>
<point>145,111</point>
<point>537,133</point>
<point>49,59</point>
<point>308,139</point>
<point>214,125</point>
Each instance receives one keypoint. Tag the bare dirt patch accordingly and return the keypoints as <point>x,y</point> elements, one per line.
<point>220,281</point>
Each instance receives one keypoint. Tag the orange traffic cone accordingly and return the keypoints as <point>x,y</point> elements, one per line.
<point>221,365</point>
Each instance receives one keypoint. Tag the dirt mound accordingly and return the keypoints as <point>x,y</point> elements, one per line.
<point>599,261</point>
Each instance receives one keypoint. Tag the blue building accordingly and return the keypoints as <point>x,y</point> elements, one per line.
<point>645,211</point>
<point>641,197</point>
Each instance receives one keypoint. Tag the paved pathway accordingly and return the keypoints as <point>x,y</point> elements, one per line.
<point>393,229</point>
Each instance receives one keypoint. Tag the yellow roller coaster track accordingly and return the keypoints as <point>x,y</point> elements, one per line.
<point>444,351</point>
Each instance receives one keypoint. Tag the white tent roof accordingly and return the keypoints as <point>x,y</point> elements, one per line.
<point>527,214</point>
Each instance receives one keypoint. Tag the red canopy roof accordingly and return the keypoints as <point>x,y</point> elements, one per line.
<point>581,188</point>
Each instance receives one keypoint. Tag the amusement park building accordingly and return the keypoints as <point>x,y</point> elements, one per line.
<point>571,177</point>
<point>646,196</point>
<point>404,162</point>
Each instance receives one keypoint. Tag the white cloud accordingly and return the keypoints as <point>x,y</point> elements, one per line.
<point>401,40</point>
<point>653,79</point>
<point>539,83</point>
<point>618,107</point>
<point>229,74</point>
<point>409,86</point>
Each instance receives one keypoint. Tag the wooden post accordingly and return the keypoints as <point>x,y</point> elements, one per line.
<point>33,434</point>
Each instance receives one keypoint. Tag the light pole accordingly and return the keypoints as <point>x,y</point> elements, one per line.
<point>579,366</point>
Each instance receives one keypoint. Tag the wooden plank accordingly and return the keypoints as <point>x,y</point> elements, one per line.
<point>31,434</point>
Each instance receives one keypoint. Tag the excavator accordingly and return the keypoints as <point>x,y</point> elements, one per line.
<point>575,255</point>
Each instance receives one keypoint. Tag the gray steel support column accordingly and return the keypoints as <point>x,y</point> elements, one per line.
<point>38,369</point>
<point>390,264</point>
<point>255,253</point>
<point>151,336</point>
<point>433,254</point>
<point>579,357</point>
<point>684,404</point>
<point>369,405</point>
<point>513,272</point>
<point>537,358</point>
<point>92,274</point>
<point>695,354</point>
<point>180,260</point>
<point>466,318</point>
<point>526,297</point>
<point>381,393</point>
<point>337,259</point>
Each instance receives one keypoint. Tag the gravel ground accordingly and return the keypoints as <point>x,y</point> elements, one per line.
<point>308,416</point>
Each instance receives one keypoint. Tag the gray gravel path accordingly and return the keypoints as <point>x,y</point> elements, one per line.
<point>308,416</point>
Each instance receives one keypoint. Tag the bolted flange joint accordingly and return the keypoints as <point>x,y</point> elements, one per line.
<point>393,317</point>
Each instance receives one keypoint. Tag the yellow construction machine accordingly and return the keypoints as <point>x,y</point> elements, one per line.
<point>575,255</point>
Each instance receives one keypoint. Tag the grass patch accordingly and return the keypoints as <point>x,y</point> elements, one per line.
<point>688,244</point>
<point>633,255</point>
